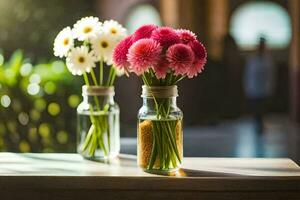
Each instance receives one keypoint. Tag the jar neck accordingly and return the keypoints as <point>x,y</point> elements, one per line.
<point>159,96</point>
<point>98,94</point>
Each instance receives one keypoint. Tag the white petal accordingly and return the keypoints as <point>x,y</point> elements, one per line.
<point>63,42</point>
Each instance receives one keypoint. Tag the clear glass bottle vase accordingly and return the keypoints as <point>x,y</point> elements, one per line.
<point>160,139</point>
<point>98,129</point>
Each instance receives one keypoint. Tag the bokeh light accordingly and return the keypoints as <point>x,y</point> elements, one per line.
<point>33,88</point>
<point>9,73</point>
<point>35,115</point>
<point>53,109</point>
<point>12,126</point>
<point>40,104</point>
<point>24,146</point>
<point>58,66</point>
<point>26,69</point>
<point>73,100</point>
<point>32,135</point>
<point>50,87</point>
<point>44,130</point>
<point>35,78</point>
<point>62,137</point>
<point>23,118</point>
<point>5,101</point>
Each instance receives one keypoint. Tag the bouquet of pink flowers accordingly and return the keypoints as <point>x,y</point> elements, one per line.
<point>162,56</point>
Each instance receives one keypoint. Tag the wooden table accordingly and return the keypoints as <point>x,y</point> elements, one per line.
<point>68,176</point>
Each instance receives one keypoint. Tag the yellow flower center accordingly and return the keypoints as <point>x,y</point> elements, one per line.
<point>81,59</point>
<point>113,31</point>
<point>87,29</point>
<point>66,41</point>
<point>104,44</point>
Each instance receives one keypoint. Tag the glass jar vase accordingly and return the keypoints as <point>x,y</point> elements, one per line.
<point>98,131</point>
<point>159,131</point>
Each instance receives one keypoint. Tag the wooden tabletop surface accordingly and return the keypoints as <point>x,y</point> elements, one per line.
<point>71,177</point>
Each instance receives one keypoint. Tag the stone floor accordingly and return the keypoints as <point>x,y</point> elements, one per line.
<point>238,138</point>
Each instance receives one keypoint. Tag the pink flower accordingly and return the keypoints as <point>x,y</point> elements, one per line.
<point>143,32</point>
<point>120,53</point>
<point>143,54</point>
<point>162,68</point>
<point>186,36</point>
<point>200,59</point>
<point>181,57</point>
<point>199,50</point>
<point>166,36</point>
<point>195,69</point>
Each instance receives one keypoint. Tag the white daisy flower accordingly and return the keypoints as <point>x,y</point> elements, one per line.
<point>103,45</point>
<point>86,27</point>
<point>63,42</point>
<point>116,30</point>
<point>80,60</point>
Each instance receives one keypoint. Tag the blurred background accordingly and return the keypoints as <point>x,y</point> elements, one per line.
<point>245,104</point>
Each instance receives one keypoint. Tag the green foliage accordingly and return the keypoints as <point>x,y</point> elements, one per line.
<point>37,106</point>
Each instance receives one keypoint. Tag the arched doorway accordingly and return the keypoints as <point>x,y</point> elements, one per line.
<point>261,18</point>
<point>142,14</point>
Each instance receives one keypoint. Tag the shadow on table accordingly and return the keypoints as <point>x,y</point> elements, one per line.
<point>183,172</point>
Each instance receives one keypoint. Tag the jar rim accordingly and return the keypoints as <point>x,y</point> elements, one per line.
<point>159,91</point>
<point>98,90</point>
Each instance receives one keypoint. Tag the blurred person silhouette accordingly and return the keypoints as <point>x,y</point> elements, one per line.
<point>232,64</point>
<point>259,83</point>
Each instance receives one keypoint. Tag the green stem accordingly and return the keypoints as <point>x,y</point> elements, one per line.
<point>101,72</point>
<point>113,76</point>
<point>86,79</point>
<point>94,77</point>
<point>102,129</point>
<point>94,145</point>
<point>153,153</point>
<point>168,79</point>
<point>156,132</point>
<point>108,131</point>
<point>88,138</point>
<point>178,79</point>
<point>145,80</point>
<point>109,76</point>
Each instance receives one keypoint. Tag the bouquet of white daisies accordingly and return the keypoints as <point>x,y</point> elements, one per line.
<point>87,46</point>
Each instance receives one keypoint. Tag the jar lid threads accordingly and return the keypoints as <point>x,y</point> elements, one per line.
<point>98,90</point>
<point>159,91</point>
